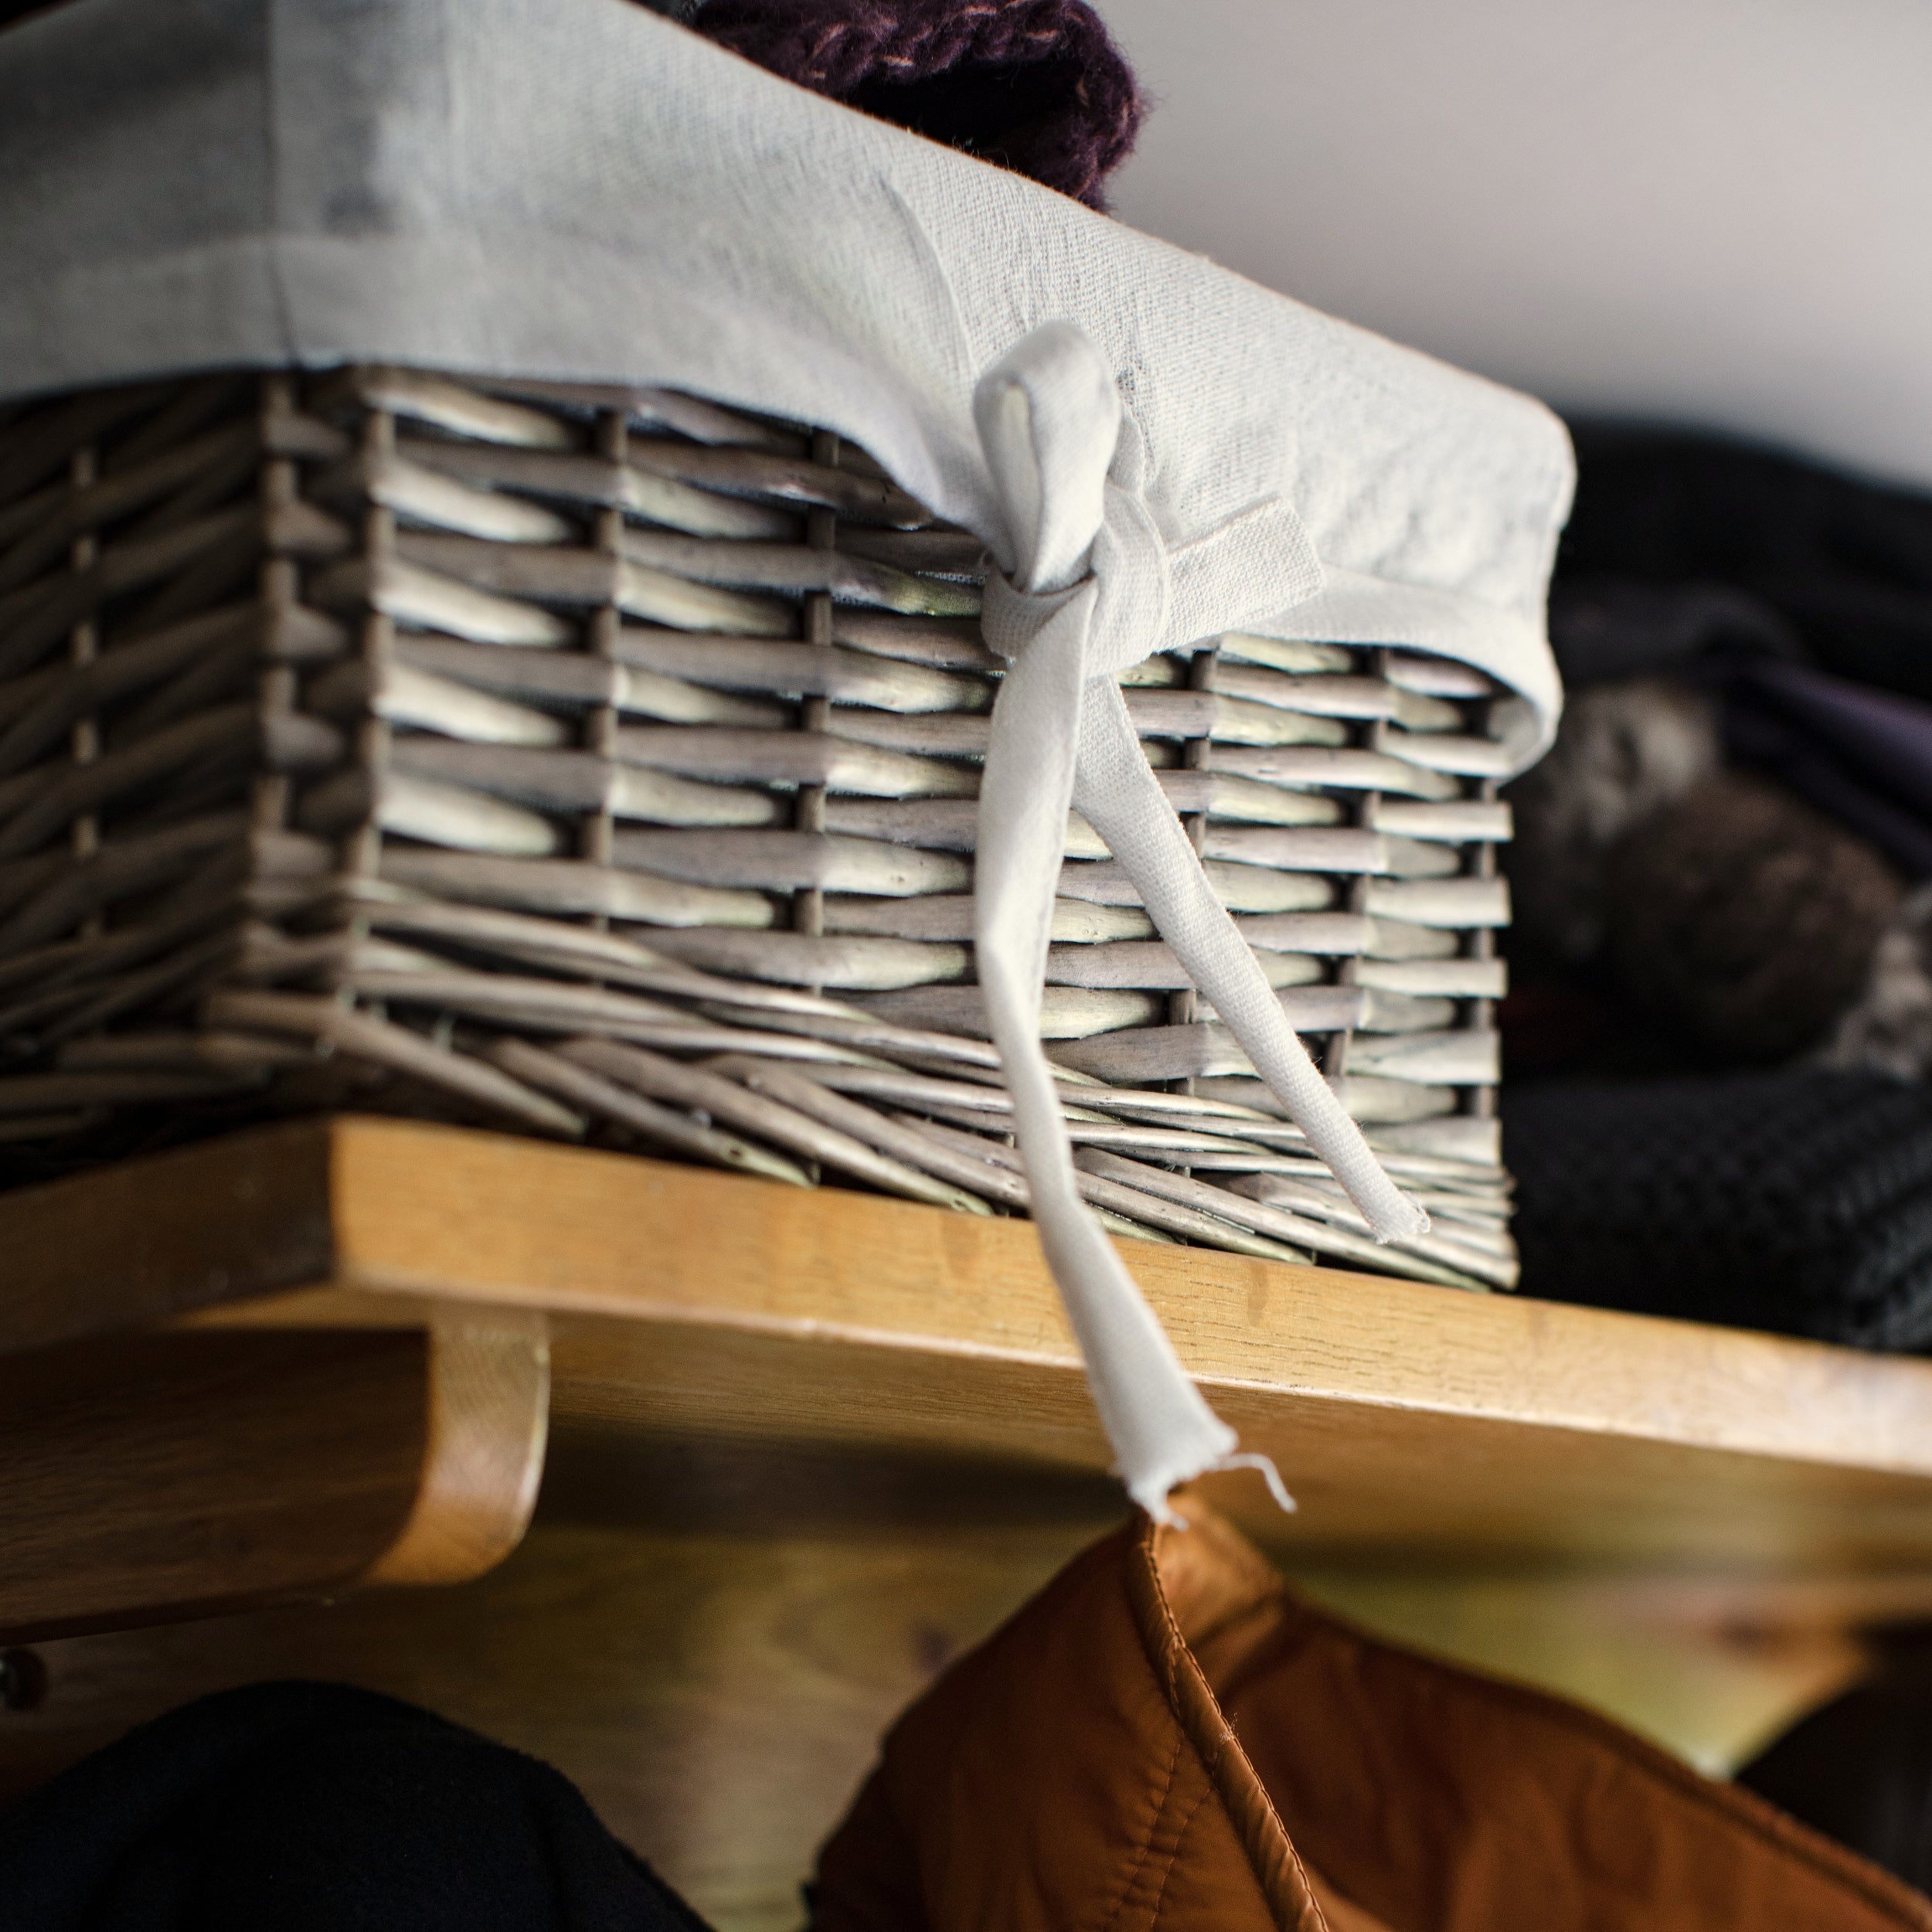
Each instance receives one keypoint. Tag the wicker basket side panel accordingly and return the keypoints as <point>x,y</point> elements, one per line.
<point>653,735</point>
<point>150,541</point>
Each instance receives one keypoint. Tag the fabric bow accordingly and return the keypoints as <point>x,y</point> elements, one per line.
<point>1089,586</point>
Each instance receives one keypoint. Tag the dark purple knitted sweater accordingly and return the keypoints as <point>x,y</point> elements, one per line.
<point>1036,86</point>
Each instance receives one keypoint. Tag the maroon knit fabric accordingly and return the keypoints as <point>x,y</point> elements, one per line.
<point>1036,86</point>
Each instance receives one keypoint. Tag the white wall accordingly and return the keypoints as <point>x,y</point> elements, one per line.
<point>1713,211</point>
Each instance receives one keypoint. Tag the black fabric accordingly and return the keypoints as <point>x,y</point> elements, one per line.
<point>1797,600</point>
<point>1860,1771</point>
<point>1603,629</point>
<point>1845,564</point>
<point>1800,597</point>
<point>1798,1201</point>
<point>310,1807</point>
<point>1863,757</point>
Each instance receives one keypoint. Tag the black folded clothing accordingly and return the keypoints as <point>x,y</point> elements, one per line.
<point>309,1807</point>
<point>1844,564</point>
<point>1798,1201</point>
<point>1860,1769</point>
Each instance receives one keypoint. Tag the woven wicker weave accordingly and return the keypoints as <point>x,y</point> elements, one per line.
<point>602,764</point>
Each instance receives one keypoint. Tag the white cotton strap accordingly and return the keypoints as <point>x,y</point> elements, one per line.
<point>1118,793</point>
<point>1162,1431</point>
<point>1091,589</point>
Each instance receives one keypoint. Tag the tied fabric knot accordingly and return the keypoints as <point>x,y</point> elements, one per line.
<point>1087,586</point>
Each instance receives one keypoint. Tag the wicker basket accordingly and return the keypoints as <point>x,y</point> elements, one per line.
<point>602,764</point>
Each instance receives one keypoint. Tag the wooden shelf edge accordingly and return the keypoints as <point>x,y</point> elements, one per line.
<point>433,1216</point>
<point>1408,1418</point>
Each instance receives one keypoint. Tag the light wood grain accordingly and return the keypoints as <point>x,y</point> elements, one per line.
<point>1450,1428</point>
<point>489,1219</point>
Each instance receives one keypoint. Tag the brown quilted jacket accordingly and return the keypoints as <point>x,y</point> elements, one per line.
<point>1166,1737</point>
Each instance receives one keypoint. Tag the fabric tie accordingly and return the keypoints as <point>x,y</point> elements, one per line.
<point>1089,586</point>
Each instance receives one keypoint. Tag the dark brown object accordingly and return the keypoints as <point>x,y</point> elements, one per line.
<point>1859,1770</point>
<point>23,1680</point>
<point>166,1475</point>
<point>1748,916</point>
<point>1167,1729</point>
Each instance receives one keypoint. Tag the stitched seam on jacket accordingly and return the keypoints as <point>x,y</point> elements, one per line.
<point>1250,1805</point>
<point>1125,1890</point>
<point>1174,1858</point>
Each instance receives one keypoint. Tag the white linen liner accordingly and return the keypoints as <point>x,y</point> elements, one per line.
<point>578,190</point>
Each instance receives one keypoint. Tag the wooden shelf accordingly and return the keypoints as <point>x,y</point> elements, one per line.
<point>1415,1424</point>
<point>808,1445</point>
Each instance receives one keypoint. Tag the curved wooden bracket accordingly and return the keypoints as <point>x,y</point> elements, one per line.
<point>154,1476</point>
<point>488,1392</point>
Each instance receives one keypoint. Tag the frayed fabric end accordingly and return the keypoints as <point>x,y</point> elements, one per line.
<point>1150,1488</point>
<point>1158,1507</point>
<point>1414,1222</point>
<point>1253,1459</point>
